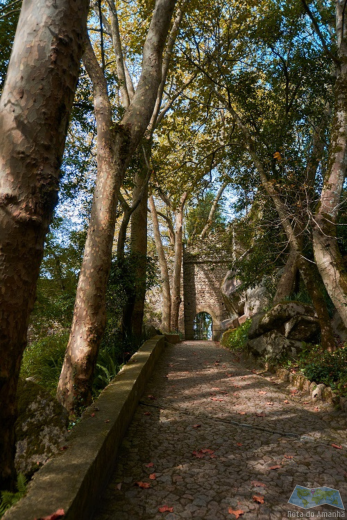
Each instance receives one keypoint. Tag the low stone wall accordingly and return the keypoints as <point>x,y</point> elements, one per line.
<point>74,480</point>
<point>317,392</point>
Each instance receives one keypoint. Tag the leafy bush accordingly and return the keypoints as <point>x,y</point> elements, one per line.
<point>43,359</point>
<point>329,368</point>
<point>237,338</point>
<point>8,499</point>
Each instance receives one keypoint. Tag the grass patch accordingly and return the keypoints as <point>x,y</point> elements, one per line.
<point>9,499</point>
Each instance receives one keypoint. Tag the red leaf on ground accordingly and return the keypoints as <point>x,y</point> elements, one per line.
<point>207,450</point>
<point>216,399</point>
<point>270,404</point>
<point>216,389</point>
<point>55,516</point>
<point>239,444</point>
<point>119,486</point>
<point>92,415</point>
<point>254,371</point>
<point>147,413</point>
<point>241,413</point>
<point>165,509</point>
<point>223,392</point>
<point>262,392</point>
<point>275,467</point>
<point>197,426</point>
<point>288,456</point>
<point>150,465</point>
<point>152,476</point>
<point>337,446</point>
<point>255,483</point>
<point>286,401</point>
<point>260,414</point>
<point>198,454</point>
<point>63,448</point>
<point>316,409</point>
<point>151,397</point>
<point>306,402</point>
<point>143,485</point>
<point>258,498</point>
<point>237,513</point>
<point>294,391</point>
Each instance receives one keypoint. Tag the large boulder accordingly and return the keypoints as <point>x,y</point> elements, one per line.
<point>273,346</point>
<point>294,320</point>
<point>41,427</point>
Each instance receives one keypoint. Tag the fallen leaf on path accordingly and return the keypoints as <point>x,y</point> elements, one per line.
<point>241,413</point>
<point>288,456</point>
<point>119,486</point>
<point>150,465</point>
<point>254,371</point>
<point>63,448</point>
<point>152,476</point>
<point>258,498</point>
<point>294,391</point>
<point>107,421</point>
<point>237,513</point>
<point>270,404</point>
<point>55,516</point>
<point>147,413</point>
<point>165,509</point>
<point>206,450</point>
<point>255,483</point>
<point>197,426</point>
<point>198,454</point>
<point>239,444</point>
<point>262,392</point>
<point>151,397</point>
<point>275,467</point>
<point>337,446</point>
<point>92,415</point>
<point>316,409</point>
<point>143,485</point>
<point>216,389</point>
<point>286,401</point>
<point>260,414</point>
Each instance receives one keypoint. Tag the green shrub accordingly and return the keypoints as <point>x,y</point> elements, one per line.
<point>9,499</point>
<point>236,339</point>
<point>329,368</point>
<point>43,360</point>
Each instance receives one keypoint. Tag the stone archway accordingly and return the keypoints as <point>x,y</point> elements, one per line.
<point>202,280</point>
<point>203,326</point>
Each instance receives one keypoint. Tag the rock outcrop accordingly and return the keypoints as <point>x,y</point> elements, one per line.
<point>41,427</point>
<point>282,330</point>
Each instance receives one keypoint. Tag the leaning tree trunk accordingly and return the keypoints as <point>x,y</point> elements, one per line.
<point>286,282</point>
<point>34,113</point>
<point>176,282</point>
<point>75,381</point>
<point>326,250</point>
<point>166,304</point>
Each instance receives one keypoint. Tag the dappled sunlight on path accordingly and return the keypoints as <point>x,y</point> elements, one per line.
<point>211,437</point>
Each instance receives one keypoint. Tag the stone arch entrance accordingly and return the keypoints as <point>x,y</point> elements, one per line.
<point>203,326</point>
<point>202,279</point>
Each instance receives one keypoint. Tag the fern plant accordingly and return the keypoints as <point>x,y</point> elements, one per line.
<point>8,499</point>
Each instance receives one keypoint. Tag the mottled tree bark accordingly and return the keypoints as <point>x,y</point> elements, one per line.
<point>286,282</point>
<point>326,250</point>
<point>74,389</point>
<point>176,282</point>
<point>166,293</point>
<point>34,113</point>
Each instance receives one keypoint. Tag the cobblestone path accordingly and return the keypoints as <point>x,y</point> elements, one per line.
<point>210,436</point>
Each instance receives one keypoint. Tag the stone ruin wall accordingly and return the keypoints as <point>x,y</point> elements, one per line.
<point>202,280</point>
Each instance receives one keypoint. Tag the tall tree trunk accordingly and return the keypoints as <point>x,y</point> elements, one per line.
<point>166,305</point>
<point>326,250</point>
<point>34,113</point>
<point>74,389</point>
<point>176,282</point>
<point>138,246</point>
<point>287,280</point>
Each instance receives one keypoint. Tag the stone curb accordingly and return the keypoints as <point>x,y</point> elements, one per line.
<point>74,479</point>
<point>317,392</point>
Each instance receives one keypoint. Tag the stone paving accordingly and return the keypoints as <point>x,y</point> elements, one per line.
<point>213,440</point>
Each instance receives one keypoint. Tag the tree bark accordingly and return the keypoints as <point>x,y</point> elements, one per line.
<point>138,246</point>
<point>164,272</point>
<point>176,282</point>
<point>287,280</point>
<point>34,113</point>
<point>326,250</point>
<point>74,389</point>
<point>213,211</point>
